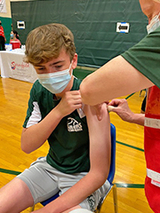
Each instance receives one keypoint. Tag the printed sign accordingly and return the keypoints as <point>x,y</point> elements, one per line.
<point>3,6</point>
<point>20,70</point>
<point>20,24</point>
<point>13,66</point>
<point>122,27</point>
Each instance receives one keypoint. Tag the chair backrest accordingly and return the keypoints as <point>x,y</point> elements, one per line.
<point>112,165</point>
<point>45,202</point>
<point>113,154</point>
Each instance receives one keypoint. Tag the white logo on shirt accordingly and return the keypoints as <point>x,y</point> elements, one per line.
<point>73,125</point>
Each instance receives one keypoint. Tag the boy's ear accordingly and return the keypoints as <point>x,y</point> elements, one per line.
<point>74,61</point>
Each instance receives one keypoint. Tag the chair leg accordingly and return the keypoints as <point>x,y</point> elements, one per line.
<point>140,93</point>
<point>115,198</point>
<point>97,211</point>
<point>32,208</point>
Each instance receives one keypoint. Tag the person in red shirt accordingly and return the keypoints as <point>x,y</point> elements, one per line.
<point>15,40</point>
<point>2,38</point>
<point>134,70</point>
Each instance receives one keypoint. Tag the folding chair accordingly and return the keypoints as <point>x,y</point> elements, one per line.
<point>110,177</point>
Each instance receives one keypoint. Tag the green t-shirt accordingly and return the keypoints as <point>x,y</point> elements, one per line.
<point>145,56</point>
<point>69,142</point>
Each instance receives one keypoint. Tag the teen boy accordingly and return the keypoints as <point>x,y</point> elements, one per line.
<point>78,160</point>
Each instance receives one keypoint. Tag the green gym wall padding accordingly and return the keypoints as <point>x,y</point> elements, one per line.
<point>93,23</point>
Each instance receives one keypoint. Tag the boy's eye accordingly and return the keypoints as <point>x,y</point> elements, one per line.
<point>58,67</point>
<point>40,68</point>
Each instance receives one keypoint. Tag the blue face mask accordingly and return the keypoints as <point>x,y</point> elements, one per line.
<point>11,35</point>
<point>55,82</point>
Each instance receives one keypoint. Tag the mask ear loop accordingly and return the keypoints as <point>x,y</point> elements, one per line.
<point>152,22</point>
<point>70,68</point>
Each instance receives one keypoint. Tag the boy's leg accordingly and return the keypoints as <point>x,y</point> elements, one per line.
<point>74,208</point>
<point>80,211</point>
<point>15,197</point>
<point>91,201</point>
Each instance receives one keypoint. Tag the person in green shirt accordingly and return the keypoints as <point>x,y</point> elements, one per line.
<point>78,161</point>
<point>136,69</point>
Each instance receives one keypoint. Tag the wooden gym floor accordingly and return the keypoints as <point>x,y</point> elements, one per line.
<point>130,162</point>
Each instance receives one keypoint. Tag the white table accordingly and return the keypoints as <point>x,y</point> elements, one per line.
<point>12,66</point>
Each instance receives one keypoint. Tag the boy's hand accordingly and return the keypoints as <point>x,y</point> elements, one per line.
<point>70,102</point>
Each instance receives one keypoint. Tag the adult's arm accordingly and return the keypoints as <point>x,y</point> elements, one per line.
<point>116,78</point>
<point>120,106</point>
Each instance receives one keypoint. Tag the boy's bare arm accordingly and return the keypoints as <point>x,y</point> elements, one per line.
<point>100,147</point>
<point>34,136</point>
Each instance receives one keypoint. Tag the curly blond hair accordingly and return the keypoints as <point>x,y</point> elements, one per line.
<point>45,42</point>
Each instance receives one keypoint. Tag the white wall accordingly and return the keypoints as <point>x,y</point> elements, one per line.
<point>8,14</point>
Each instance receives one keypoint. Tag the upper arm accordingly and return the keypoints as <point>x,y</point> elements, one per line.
<point>116,78</point>
<point>100,144</point>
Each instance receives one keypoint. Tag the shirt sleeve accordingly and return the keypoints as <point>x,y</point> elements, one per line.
<point>33,112</point>
<point>145,56</point>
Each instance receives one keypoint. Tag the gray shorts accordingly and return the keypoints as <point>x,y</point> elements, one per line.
<point>45,181</point>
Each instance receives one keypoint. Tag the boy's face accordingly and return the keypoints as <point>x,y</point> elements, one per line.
<point>62,62</point>
<point>55,65</point>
